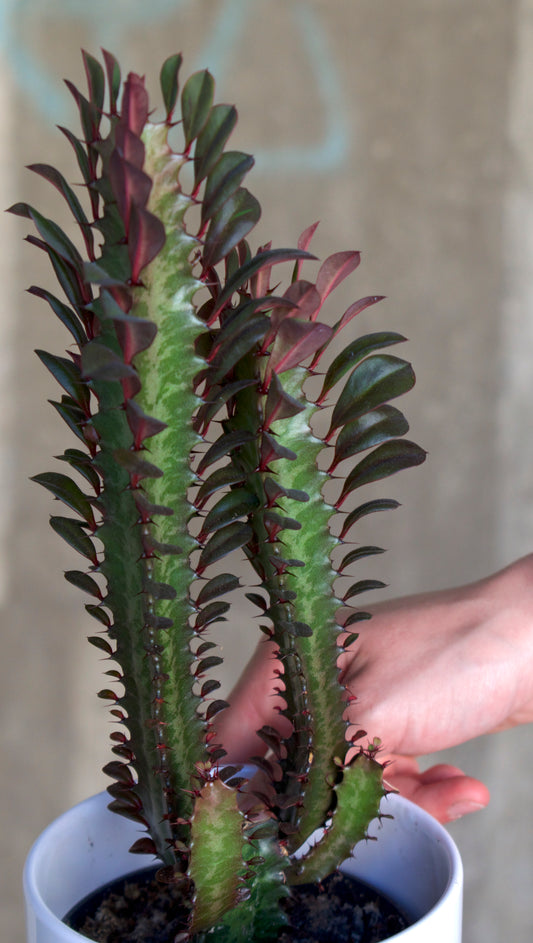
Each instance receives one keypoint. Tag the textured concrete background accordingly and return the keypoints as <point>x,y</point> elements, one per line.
<point>406,126</point>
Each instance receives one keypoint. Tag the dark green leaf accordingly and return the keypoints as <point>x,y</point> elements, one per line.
<point>84,582</point>
<point>196,101</point>
<point>220,584</point>
<point>251,267</point>
<point>211,613</point>
<point>212,139</point>
<point>225,445</point>
<point>113,79</point>
<point>66,315</point>
<point>358,554</point>
<point>370,429</point>
<point>363,586</point>
<point>299,629</point>
<point>57,179</point>
<point>113,268</point>
<point>73,533</point>
<point>101,363</point>
<point>81,154</point>
<point>222,542</point>
<point>68,492</point>
<point>169,82</point>
<point>387,459</point>
<point>220,478</point>
<point>372,383</point>
<point>231,223</point>
<point>67,375</point>
<point>214,708</point>
<point>135,465</point>
<point>99,614</point>
<point>100,643</point>
<point>52,234</point>
<point>353,354</point>
<point>159,590</point>
<point>379,504</point>
<point>74,417</point>
<point>95,80</point>
<point>354,618</point>
<point>206,664</point>
<point>232,506</point>
<point>223,181</point>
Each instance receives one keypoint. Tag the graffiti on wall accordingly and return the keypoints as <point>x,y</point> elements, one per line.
<point>227,25</point>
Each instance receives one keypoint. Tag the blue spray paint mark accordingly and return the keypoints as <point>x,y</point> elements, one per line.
<point>226,30</point>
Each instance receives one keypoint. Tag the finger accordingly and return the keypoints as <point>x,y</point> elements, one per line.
<point>444,791</point>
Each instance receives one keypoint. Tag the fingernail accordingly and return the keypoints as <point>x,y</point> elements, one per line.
<point>459,809</point>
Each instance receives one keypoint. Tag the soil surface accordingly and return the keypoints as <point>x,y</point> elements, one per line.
<point>142,910</point>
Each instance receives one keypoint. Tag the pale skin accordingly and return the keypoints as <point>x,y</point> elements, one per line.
<point>427,672</point>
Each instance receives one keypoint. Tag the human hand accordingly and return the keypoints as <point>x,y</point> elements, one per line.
<point>427,672</point>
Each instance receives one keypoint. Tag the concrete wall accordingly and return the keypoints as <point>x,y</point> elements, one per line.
<point>406,127</point>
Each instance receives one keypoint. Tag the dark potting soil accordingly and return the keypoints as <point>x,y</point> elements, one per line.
<point>140,909</point>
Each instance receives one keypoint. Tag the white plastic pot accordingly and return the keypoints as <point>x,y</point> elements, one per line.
<point>414,862</point>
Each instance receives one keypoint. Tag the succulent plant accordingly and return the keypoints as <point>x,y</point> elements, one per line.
<point>193,382</point>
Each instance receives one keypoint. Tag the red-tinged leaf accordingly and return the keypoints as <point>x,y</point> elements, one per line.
<point>212,139</point>
<point>304,242</point>
<point>113,79</point>
<point>95,79</point>
<point>84,582</point>
<point>356,309</point>
<point>258,601</point>
<point>101,363</point>
<point>225,445</point>
<point>387,459</point>
<point>295,342</point>
<point>143,846</point>
<point>147,509</point>
<point>219,585</point>
<point>132,150</point>
<point>246,337</point>
<point>142,426</point>
<point>146,239</point>
<point>130,185</point>
<point>168,79</point>
<point>379,504</point>
<point>274,490</point>
<point>373,382</point>
<point>215,398</point>
<point>134,335</point>
<point>232,506</point>
<point>298,629</point>
<point>223,542</point>
<point>251,267</point>
<point>107,695</point>
<point>272,738</point>
<point>279,405</point>
<point>101,643</point>
<point>225,178</point>
<point>271,450</point>
<point>369,430</point>
<point>354,354</point>
<point>359,553</point>
<point>137,466</point>
<point>66,315</point>
<point>334,270</point>
<point>196,102</point>
<point>67,491</point>
<point>230,225</point>
<point>362,586</point>
<point>73,533</point>
<point>135,105</point>
<point>89,115</point>
<point>306,299</point>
